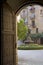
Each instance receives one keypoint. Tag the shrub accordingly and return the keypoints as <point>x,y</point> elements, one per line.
<point>30,47</point>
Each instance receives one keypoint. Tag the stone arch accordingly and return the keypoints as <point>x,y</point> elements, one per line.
<point>28,4</point>
<point>16,6</point>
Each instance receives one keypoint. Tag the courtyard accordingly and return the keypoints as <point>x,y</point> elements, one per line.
<point>30,57</point>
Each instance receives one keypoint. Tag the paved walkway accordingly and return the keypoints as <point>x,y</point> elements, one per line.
<point>30,57</point>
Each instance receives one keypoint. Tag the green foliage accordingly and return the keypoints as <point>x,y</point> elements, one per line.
<point>30,47</point>
<point>22,30</point>
<point>36,36</point>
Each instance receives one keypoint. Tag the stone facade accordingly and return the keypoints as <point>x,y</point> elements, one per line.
<point>33,17</point>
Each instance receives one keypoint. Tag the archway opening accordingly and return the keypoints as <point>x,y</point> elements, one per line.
<point>29,41</point>
<point>9,34</point>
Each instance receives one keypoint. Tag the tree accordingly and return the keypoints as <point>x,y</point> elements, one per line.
<point>21,30</point>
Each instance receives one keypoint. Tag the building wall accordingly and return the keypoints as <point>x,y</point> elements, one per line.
<point>38,18</point>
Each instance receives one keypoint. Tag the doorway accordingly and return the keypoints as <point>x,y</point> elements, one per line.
<point>9,49</point>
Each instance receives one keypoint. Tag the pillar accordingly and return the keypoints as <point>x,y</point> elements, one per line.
<point>8,37</point>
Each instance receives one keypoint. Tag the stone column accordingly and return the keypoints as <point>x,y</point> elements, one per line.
<point>15,40</point>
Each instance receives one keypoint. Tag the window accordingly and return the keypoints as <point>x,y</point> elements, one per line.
<point>33,24</point>
<point>32,16</point>
<point>32,9</point>
<point>41,12</point>
<point>36,30</point>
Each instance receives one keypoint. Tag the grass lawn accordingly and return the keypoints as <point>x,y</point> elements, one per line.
<point>30,47</point>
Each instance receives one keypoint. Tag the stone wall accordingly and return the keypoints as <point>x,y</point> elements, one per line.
<point>8,36</point>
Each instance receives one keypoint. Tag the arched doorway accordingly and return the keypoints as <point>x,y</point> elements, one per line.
<point>24,54</point>
<point>9,50</point>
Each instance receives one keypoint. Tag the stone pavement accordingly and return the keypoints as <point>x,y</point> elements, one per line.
<point>30,57</point>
